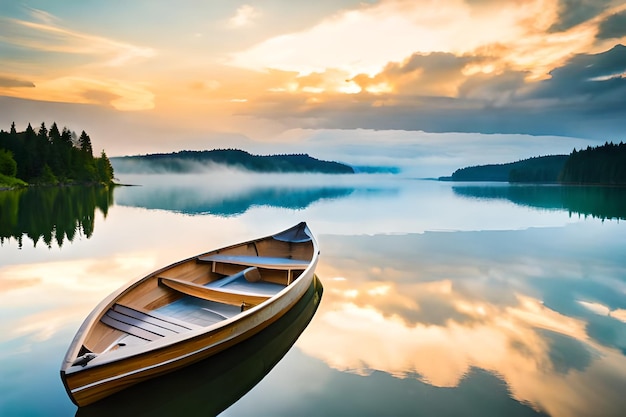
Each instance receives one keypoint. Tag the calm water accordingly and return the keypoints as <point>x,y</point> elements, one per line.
<point>439,298</point>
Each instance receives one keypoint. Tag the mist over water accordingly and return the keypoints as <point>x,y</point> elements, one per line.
<point>230,192</point>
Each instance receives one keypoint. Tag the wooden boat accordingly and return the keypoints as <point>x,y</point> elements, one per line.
<point>188,311</point>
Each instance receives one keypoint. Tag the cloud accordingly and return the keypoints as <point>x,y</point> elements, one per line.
<point>575,12</point>
<point>57,48</point>
<point>120,95</point>
<point>50,37</point>
<point>589,77</point>
<point>351,39</point>
<point>513,34</point>
<point>498,90</point>
<point>42,16</point>
<point>244,16</point>
<point>613,27</point>
<point>436,73</point>
<point>443,92</point>
<point>11,82</point>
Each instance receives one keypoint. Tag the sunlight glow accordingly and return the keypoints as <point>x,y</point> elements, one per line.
<point>418,57</point>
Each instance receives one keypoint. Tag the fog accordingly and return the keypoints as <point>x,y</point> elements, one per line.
<point>228,192</point>
<point>422,154</point>
<point>415,154</point>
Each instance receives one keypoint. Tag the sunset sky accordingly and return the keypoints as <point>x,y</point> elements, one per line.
<point>427,77</point>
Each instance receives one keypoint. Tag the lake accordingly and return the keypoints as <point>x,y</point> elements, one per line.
<point>439,298</point>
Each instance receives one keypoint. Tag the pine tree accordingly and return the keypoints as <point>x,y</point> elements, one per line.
<point>43,131</point>
<point>105,169</point>
<point>84,144</point>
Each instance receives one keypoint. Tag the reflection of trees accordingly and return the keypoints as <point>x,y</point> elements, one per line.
<point>51,214</point>
<point>595,201</point>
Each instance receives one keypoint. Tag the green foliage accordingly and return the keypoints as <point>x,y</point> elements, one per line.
<point>50,156</point>
<point>47,176</point>
<point>8,166</point>
<point>104,167</point>
<point>11,182</point>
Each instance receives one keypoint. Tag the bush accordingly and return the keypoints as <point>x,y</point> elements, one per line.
<point>8,166</point>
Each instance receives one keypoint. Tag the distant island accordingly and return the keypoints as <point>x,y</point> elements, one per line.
<point>50,157</point>
<point>197,161</point>
<point>605,164</point>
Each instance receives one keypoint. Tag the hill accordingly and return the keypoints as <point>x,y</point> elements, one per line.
<point>538,169</point>
<point>197,161</point>
<point>602,165</point>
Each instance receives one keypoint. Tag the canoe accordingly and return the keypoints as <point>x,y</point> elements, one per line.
<point>187,312</point>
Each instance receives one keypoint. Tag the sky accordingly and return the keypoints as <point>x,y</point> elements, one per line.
<point>438,82</point>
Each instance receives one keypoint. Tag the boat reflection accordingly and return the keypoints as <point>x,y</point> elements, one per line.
<point>51,214</point>
<point>211,386</point>
<point>595,201</point>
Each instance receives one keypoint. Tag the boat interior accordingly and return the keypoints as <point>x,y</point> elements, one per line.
<point>200,292</point>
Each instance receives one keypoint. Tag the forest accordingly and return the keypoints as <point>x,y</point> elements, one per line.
<point>50,156</point>
<point>599,165</point>
<point>604,164</point>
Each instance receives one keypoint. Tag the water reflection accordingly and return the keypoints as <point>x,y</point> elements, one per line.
<point>436,306</point>
<point>51,214</point>
<point>598,202</point>
<point>233,193</point>
<point>209,387</point>
<point>190,200</point>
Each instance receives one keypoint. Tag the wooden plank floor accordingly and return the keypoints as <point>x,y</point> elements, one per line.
<point>198,311</point>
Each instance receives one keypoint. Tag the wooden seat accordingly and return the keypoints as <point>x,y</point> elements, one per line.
<point>212,294</point>
<point>281,264</point>
<point>258,261</point>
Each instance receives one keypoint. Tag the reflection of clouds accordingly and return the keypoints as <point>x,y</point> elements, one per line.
<point>406,309</point>
<point>7,284</point>
<point>59,293</point>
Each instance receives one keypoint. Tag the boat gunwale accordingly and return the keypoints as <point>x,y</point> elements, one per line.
<point>164,343</point>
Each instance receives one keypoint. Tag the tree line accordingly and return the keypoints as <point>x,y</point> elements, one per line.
<point>536,169</point>
<point>604,164</point>
<point>51,156</point>
<point>194,161</point>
